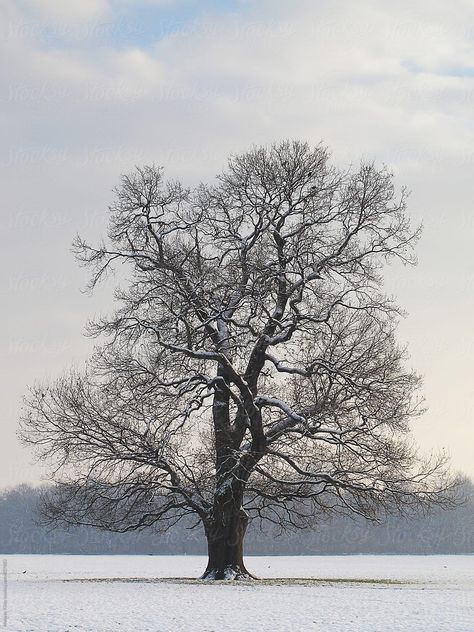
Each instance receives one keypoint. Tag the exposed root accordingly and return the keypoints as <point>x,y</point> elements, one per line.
<point>228,573</point>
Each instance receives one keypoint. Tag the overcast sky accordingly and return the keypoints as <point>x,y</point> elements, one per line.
<point>90,88</point>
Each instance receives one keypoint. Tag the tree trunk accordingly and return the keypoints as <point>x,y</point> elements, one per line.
<point>225,539</point>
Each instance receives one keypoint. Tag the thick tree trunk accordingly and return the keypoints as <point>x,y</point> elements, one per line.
<point>225,539</point>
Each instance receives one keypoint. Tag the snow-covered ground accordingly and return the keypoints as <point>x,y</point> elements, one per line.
<point>57,594</point>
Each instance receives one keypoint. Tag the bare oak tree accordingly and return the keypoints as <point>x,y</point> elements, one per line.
<point>250,369</point>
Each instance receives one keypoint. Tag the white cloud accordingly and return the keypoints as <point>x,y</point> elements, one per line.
<point>70,12</point>
<point>165,2</point>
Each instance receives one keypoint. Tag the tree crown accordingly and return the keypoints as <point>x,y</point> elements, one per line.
<point>252,355</point>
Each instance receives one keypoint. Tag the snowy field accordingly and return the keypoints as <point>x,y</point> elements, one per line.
<point>110,593</point>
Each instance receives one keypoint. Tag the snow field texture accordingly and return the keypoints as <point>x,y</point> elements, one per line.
<point>56,593</point>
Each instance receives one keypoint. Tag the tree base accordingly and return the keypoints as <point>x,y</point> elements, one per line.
<point>228,573</point>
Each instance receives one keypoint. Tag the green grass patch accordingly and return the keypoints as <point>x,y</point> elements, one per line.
<point>274,581</point>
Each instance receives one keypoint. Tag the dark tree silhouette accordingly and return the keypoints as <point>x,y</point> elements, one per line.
<point>250,369</point>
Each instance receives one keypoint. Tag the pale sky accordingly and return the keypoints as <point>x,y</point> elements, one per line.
<point>90,88</point>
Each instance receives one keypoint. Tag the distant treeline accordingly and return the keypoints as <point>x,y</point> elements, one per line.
<point>442,532</point>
